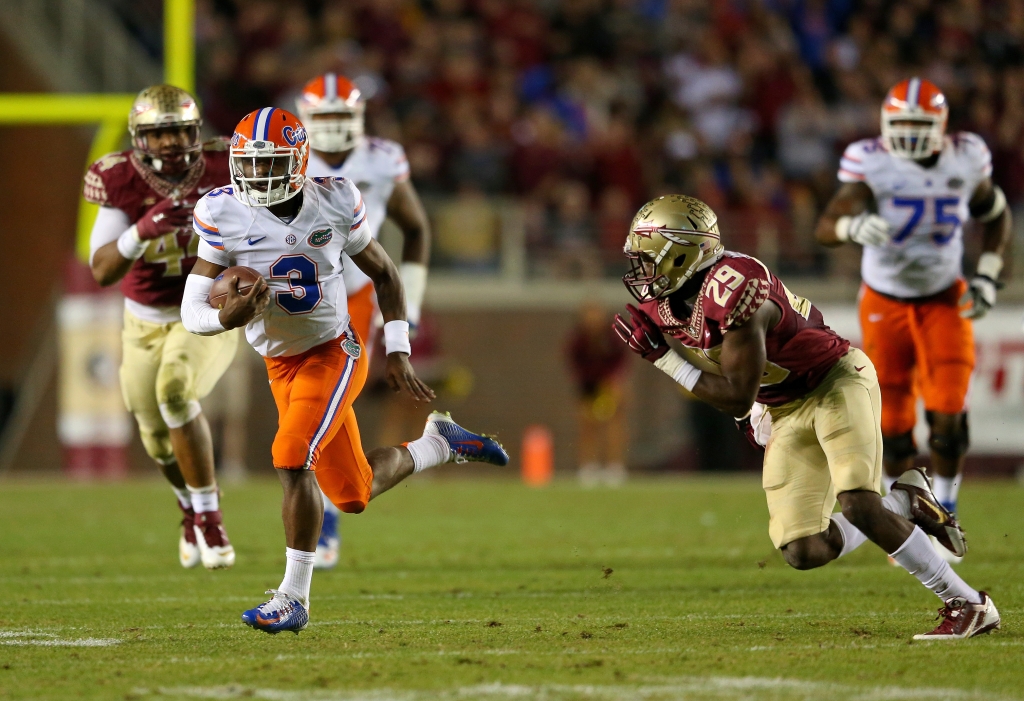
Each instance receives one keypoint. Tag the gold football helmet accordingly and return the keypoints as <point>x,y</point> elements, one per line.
<point>670,240</point>
<point>166,107</point>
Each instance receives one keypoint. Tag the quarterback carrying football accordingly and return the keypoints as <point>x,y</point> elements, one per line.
<point>143,238</point>
<point>745,338</point>
<point>294,230</point>
<point>905,197</point>
<point>332,109</point>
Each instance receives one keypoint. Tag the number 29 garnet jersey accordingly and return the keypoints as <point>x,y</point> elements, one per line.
<point>801,349</point>
<point>926,209</point>
<point>119,180</point>
<point>301,260</point>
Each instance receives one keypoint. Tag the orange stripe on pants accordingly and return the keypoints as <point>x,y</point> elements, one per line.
<point>919,349</point>
<point>317,427</point>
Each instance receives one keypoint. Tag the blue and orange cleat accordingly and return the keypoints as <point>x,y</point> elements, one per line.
<point>282,613</point>
<point>466,446</point>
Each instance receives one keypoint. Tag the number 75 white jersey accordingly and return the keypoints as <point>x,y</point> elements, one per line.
<point>301,260</point>
<point>926,209</point>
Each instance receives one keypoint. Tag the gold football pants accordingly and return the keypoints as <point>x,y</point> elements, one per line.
<point>165,371</point>
<point>825,443</point>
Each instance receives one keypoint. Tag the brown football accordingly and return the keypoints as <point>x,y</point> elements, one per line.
<point>247,277</point>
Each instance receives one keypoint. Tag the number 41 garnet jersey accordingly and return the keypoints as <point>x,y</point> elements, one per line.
<point>120,180</point>
<point>801,349</point>
<point>301,260</point>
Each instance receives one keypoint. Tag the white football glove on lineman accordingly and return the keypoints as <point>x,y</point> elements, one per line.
<point>866,229</point>
<point>981,295</point>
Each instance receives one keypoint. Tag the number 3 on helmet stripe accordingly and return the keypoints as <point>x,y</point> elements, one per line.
<point>304,292</point>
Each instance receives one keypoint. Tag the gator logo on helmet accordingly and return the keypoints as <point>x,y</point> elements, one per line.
<point>320,238</point>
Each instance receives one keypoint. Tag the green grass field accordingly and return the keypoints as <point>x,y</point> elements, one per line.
<point>450,589</point>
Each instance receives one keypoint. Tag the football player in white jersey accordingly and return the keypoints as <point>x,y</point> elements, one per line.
<point>905,198</point>
<point>294,231</point>
<point>332,109</point>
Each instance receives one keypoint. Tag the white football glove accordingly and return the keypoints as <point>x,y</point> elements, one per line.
<point>866,229</point>
<point>981,295</point>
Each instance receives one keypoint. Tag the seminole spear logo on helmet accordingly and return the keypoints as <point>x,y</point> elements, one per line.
<point>671,239</point>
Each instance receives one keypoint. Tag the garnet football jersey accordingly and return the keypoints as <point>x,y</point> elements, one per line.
<point>926,209</point>
<point>301,260</point>
<point>374,165</point>
<point>801,349</point>
<point>157,279</point>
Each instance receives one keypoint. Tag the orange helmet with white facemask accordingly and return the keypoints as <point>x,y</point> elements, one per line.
<point>914,118</point>
<point>269,153</point>
<point>332,108</point>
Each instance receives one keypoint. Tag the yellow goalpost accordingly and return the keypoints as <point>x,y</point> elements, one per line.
<point>108,110</point>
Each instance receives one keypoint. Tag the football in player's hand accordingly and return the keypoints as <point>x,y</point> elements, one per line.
<point>247,277</point>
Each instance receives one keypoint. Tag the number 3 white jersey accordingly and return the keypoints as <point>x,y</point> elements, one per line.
<point>926,209</point>
<point>301,260</point>
<point>374,165</point>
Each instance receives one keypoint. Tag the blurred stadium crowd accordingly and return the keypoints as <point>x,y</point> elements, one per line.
<point>580,110</point>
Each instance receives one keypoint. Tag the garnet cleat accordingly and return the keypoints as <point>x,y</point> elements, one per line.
<point>927,513</point>
<point>188,549</point>
<point>282,613</point>
<point>214,547</point>
<point>465,446</point>
<point>329,543</point>
<point>960,619</point>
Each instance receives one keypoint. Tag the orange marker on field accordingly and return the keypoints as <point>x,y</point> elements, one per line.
<point>538,455</point>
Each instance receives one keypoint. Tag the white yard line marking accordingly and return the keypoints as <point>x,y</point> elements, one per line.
<point>39,639</point>
<point>681,689</point>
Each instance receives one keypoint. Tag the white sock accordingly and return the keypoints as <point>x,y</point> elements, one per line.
<point>918,557</point>
<point>329,507</point>
<point>428,451</point>
<point>896,502</point>
<point>852,538</point>
<point>204,498</point>
<point>888,482</point>
<point>184,498</point>
<point>946,489</point>
<point>298,574</point>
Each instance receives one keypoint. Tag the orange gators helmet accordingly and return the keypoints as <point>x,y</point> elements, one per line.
<point>914,118</point>
<point>332,108</point>
<point>269,153</point>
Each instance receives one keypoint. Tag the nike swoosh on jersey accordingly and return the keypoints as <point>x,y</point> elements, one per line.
<point>253,243</point>
<point>858,369</point>
<point>204,190</point>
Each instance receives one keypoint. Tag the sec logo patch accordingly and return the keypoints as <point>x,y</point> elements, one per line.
<point>290,239</point>
<point>320,238</point>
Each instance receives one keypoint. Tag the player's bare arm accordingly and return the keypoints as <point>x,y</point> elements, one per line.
<point>847,218</point>
<point>988,206</point>
<point>108,265</point>
<point>239,309</point>
<point>743,360</point>
<point>374,261</point>
<point>406,210</point>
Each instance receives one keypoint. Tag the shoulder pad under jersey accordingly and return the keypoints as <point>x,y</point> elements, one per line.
<point>734,290</point>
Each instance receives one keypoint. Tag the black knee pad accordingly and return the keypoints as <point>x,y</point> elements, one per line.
<point>951,446</point>
<point>901,447</point>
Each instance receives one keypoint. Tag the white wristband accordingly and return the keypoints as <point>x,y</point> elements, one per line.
<point>130,245</point>
<point>673,365</point>
<point>396,337</point>
<point>843,228</point>
<point>197,316</point>
<point>414,280</point>
<point>990,264</point>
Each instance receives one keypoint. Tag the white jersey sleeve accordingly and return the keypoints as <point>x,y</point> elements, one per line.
<point>360,233</point>
<point>975,153</point>
<point>851,165</point>
<point>211,243</point>
<point>399,170</point>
